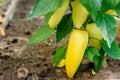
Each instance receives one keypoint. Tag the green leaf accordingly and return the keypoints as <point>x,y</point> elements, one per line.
<point>41,34</point>
<point>117,9</point>
<point>59,55</point>
<point>107,26</point>
<point>91,52</point>
<point>98,61</point>
<point>104,63</point>
<point>109,4</point>
<point>47,17</point>
<point>113,52</point>
<point>64,27</point>
<point>71,0</point>
<point>92,6</point>
<point>45,6</point>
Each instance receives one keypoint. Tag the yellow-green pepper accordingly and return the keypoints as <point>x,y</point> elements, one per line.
<point>79,14</point>
<point>58,14</point>
<point>77,44</point>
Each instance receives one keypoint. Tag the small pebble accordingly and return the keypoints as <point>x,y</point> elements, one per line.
<point>51,40</point>
<point>22,73</point>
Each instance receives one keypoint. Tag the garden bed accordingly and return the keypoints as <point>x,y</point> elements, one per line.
<point>7,9</point>
<point>20,61</point>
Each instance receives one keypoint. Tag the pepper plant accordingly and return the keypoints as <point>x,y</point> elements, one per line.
<point>92,25</point>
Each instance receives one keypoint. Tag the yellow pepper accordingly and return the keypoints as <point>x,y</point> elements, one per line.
<point>95,35</point>
<point>77,44</point>
<point>111,12</point>
<point>95,43</point>
<point>79,14</point>
<point>58,14</point>
<point>62,63</point>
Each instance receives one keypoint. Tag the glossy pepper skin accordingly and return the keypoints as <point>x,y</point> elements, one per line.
<point>77,44</point>
<point>58,14</point>
<point>95,35</point>
<point>79,14</point>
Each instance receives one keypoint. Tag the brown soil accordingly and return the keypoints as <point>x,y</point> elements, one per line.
<point>20,61</point>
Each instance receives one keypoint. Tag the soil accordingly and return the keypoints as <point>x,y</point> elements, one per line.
<point>3,6</point>
<point>20,61</point>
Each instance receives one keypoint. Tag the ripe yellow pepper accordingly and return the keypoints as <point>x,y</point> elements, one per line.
<point>79,14</point>
<point>58,14</point>
<point>62,63</point>
<point>111,12</point>
<point>95,35</point>
<point>77,44</point>
<point>95,43</point>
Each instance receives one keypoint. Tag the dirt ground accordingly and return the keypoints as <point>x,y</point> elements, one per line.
<point>20,61</point>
